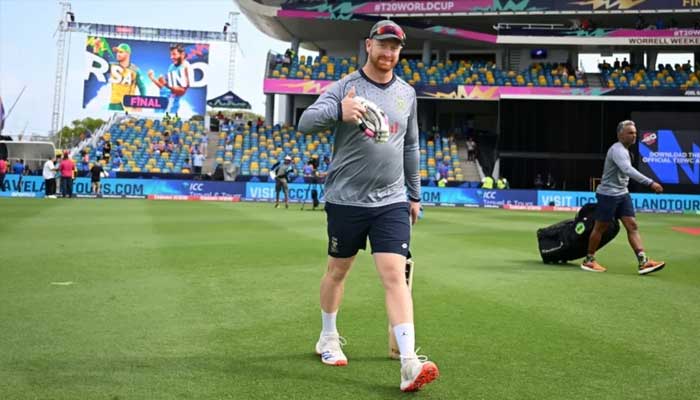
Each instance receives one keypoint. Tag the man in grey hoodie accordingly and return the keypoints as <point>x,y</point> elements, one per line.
<point>615,202</point>
<point>372,190</point>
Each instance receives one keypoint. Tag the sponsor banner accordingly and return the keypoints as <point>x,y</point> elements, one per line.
<point>265,191</point>
<point>155,189</point>
<point>442,196</point>
<point>463,34</point>
<point>595,33</point>
<point>449,91</point>
<point>346,9</point>
<point>582,40</point>
<point>145,76</point>
<point>33,186</point>
<point>641,201</point>
<point>671,156</point>
<point>484,92</point>
<point>420,7</point>
<point>502,198</point>
<point>295,86</point>
<point>231,199</point>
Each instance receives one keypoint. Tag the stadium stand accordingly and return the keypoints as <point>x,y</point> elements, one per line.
<point>143,146</point>
<point>463,72</point>
<point>638,77</point>
<point>255,150</point>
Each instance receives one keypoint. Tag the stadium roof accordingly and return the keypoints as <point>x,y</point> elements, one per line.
<point>336,35</point>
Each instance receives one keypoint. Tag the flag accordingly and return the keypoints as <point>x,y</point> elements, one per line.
<point>2,115</point>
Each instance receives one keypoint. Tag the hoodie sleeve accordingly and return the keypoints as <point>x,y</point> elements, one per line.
<point>324,113</point>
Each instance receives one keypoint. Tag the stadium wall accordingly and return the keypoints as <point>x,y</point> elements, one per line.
<point>568,138</point>
<point>33,187</point>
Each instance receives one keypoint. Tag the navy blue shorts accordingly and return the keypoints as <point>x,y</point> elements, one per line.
<point>388,228</point>
<point>610,208</point>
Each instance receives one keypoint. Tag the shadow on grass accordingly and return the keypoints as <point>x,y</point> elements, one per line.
<point>354,379</point>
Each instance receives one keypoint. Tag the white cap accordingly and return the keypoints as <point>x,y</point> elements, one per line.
<point>288,158</point>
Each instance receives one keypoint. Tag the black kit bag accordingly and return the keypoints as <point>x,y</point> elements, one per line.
<point>568,239</point>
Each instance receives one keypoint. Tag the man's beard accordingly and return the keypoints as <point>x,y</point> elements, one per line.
<point>382,66</point>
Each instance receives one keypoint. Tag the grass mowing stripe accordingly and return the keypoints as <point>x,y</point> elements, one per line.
<point>212,300</point>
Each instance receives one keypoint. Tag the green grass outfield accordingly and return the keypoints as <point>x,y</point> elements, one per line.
<point>177,300</point>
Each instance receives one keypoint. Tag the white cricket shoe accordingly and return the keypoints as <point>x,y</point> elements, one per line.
<point>328,347</point>
<point>416,372</point>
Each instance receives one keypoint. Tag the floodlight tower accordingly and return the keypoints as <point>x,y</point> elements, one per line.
<point>233,43</point>
<point>59,81</point>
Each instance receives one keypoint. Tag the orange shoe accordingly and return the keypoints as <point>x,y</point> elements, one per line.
<point>417,372</point>
<point>592,266</point>
<point>651,266</point>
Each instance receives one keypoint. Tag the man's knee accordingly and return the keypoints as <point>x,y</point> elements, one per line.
<point>338,268</point>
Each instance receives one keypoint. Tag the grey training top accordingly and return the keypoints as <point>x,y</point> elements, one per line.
<point>364,173</point>
<point>617,172</point>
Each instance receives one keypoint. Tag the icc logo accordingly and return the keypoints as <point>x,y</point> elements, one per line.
<point>489,195</point>
<point>196,187</point>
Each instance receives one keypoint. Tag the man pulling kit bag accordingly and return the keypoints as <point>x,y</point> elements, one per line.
<point>568,239</point>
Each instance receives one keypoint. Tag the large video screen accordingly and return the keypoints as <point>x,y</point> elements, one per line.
<point>669,147</point>
<point>145,77</point>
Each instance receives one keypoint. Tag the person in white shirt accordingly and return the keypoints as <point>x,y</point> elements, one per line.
<point>49,174</point>
<point>198,162</point>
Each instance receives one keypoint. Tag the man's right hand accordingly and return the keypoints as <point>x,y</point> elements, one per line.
<point>352,109</point>
<point>656,187</point>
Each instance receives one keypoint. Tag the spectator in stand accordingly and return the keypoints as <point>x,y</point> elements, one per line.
<point>443,169</point>
<point>260,123</point>
<point>187,166</point>
<point>166,118</point>
<point>67,169</point>
<point>220,116</point>
<point>550,184</point>
<point>239,120</point>
<point>586,24</point>
<point>539,184</point>
<point>3,172</point>
<point>660,23</point>
<point>616,64</point>
<point>107,151</point>
<point>175,138</point>
<point>471,149</point>
<point>116,162</point>
<point>625,63</point>
<point>27,169</point>
<point>687,66</point>
<point>95,176</point>
<point>18,167</point>
<point>198,162</point>
<point>696,25</point>
<point>308,169</point>
<point>641,23</point>
<point>84,163</point>
<point>49,175</point>
<point>119,150</point>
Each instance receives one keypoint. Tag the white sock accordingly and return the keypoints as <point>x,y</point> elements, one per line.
<point>328,323</point>
<point>406,339</point>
